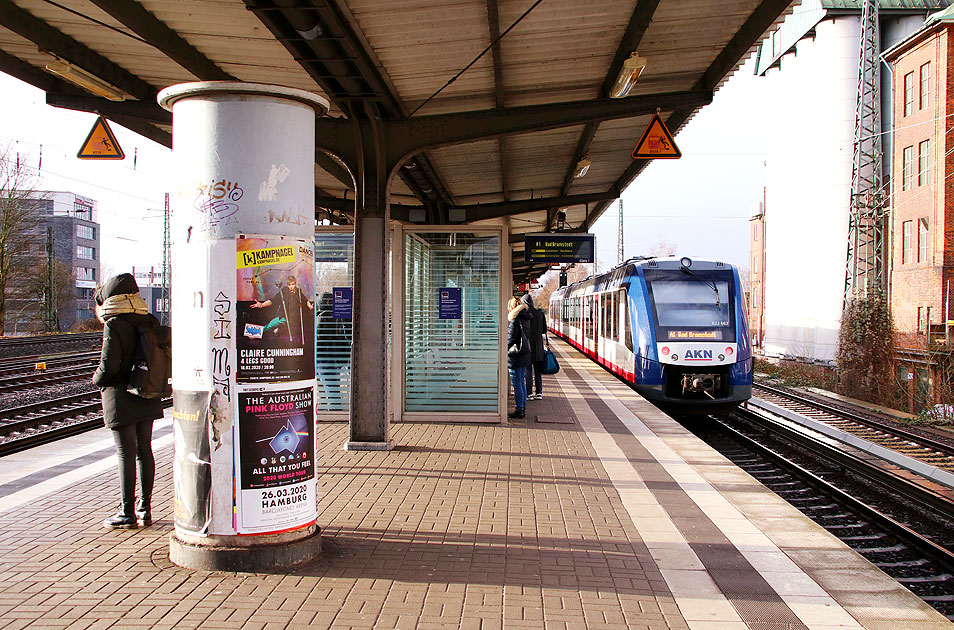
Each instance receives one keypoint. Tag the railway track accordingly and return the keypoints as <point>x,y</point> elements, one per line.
<point>40,423</point>
<point>898,526</point>
<point>917,444</point>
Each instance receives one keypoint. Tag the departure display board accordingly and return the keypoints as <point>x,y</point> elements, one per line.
<point>559,248</point>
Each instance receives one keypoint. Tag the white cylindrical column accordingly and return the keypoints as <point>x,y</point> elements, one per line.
<point>242,229</point>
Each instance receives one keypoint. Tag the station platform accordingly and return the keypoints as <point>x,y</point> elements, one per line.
<point>596,511</point>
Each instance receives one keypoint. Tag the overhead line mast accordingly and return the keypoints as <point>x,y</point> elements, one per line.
<point>867,270</point>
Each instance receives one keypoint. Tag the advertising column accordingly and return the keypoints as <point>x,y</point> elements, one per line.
<point>243,305</point>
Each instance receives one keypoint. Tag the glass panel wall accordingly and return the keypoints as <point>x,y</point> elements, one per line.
<point>451,322</point>
<point>334,280</point>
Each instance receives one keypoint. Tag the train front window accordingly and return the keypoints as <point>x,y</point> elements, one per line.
<point>694,306</point>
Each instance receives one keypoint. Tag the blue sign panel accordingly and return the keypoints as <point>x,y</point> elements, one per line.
<point>451,304</point>
<point>559,248</point>
<point>341,307</point>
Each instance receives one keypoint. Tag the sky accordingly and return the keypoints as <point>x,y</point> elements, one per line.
<point>129,193</point>
<point>699,204</point>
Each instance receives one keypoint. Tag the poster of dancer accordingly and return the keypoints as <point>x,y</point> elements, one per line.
<point>275,308</point>
<point>276,459</point>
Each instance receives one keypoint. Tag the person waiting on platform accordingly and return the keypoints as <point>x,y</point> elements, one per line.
<point>538,328</point>
<point>121,309</point>
<point>518,354</point>
<point>290,302</point>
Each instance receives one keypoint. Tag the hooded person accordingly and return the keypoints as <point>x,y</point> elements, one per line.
<point>538,328</point>
<point>121,309</point>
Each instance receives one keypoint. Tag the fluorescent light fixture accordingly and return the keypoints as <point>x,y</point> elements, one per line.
<point>628,74</point>
<point>86,80</point>
<point>582,167</point>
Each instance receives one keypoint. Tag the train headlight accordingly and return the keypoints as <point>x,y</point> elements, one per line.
<point>722,357</point>
<point>685,261</point>
<point>674,357</point>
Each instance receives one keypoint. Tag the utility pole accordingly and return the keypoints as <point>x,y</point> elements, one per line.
<point>867,269</point>
<point>619,252</point>
<point>49,315</point>
<point>166,266</point>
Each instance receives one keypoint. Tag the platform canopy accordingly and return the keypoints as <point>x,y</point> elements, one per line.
<point>508,134</point>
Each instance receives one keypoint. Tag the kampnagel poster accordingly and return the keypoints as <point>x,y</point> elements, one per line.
<point>275,307</point>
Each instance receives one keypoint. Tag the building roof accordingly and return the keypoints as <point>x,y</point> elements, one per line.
<point>804,18</point>
<point>935,21</point>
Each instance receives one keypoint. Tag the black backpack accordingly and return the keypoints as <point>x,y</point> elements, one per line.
<point>151,375</point>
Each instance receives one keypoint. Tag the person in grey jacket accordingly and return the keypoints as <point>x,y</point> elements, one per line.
<point>121,309</point>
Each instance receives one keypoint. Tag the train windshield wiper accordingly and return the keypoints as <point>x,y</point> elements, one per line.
<point>709,283</point>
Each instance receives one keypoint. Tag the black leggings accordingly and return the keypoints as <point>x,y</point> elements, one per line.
<point>134,441</point>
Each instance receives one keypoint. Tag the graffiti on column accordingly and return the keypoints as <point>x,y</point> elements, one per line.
<point>217,204</point>
<point>222,322</point>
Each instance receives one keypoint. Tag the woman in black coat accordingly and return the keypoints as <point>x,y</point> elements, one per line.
<point>518,354</point>
<point>538,328</point>
<point>121,309</point>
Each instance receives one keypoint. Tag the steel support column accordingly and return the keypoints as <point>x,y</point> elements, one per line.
<point>370,403</point>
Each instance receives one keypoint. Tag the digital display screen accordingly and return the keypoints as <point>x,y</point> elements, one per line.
<point>559,248</point>
<point>695,334</point>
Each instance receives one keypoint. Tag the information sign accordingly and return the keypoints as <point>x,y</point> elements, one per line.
<point>341,307</point>
<point>562,248</point>
<point>450,303</point>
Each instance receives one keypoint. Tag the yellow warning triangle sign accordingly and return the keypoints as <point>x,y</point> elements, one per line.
<point>656,142</point>
<point>100,144</point>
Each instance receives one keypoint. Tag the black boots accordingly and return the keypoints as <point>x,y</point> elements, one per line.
<point>123,519</point>
<point>516,413</point>
<point>143,512</point>
<point>127,518</point>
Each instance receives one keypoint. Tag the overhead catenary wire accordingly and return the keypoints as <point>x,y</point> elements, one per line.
<point>477,58</point>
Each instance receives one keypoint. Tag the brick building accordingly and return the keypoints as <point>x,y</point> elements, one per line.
<point>757,277</point>
<point>922,216</point>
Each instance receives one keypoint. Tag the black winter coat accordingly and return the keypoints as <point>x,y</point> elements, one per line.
<point>115,364</point>
<point>520,323</point>
<point>538,326</point>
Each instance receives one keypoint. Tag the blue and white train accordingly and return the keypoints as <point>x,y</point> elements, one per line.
<point>674,328</point>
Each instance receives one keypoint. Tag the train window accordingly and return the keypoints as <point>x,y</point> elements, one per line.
<point>627,329</point>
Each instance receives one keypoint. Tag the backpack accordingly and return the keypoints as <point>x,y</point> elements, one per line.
<point>151,375</point>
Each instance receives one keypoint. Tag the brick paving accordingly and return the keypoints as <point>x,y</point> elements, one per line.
<point>461,526</point>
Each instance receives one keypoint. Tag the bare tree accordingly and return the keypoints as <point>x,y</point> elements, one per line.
<point>663,248</point>
<point>19,206</point>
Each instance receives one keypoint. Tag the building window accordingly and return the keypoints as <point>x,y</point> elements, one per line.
<point>755,232</point>
<point>927,319</point>
<point>85,294</point>
<point>924,99</point>
<point>84,313</point>
<point>920,321</point>
<point>907,167</point>
<point>82,211</point>
<point>776,43</point>
<point>86,253</point>
<point>85,273</point>
<point>924,149</point>
<point>86,231</point>
<point>906,242</point>
<point>922,240</point>
<point>908,93</point>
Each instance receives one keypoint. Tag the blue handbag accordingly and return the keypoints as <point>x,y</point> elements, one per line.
<point>550,363</point>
